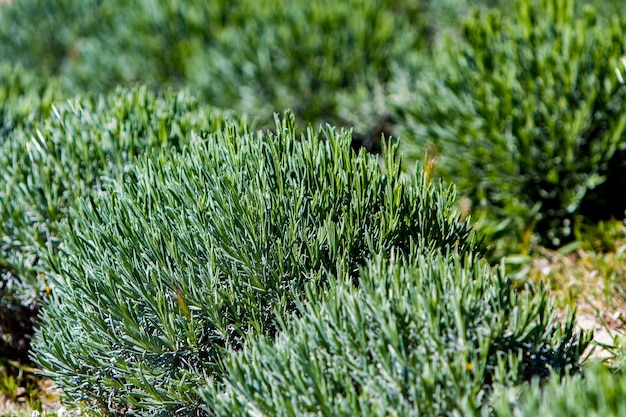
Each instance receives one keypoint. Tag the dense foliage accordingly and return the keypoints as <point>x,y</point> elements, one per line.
<point>597,393</point>
<point>24,98</point>
<point>181,257</point>
<point>250,55</point>
<point>527,115</point>
<point>48,162</point>
<point>98,44</point>
<point>189,264</point>
<point>420,337</point>
<point>303,54</point>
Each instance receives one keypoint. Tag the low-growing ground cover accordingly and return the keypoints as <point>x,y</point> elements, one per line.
<point>64,164</point>
<point>253,56</point>
<point>437,335</point>
<point>599,393</point>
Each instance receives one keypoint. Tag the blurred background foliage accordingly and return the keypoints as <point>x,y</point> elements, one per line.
<point>257,56</point>
<point>527,117</point>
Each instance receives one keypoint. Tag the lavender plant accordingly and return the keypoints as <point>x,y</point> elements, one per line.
<point>53,154</point>
<point>183,256</point>
<point>420,336</point>
<point>528,117</point>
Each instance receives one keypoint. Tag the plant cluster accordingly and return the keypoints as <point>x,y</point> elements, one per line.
<point>599,392</point>
<point>182,256</point>
<point>47,163</point>
<point>183,262</point>
<point>98,45</point>
<point>255,56</point>
<point>528,118</point>
<point>304,54</point>
<point>419,336</point>
<point>24,98</point>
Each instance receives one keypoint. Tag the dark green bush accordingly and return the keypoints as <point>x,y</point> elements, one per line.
<point>423,337</point>
<point>183,256</point>
<point>596,393</point>
<point>145,41</point>
<point>41,35</point>
<point>46,164</point>
<point>99,44</point>
<point>257,56</point>
<point>302,54</point>
<point>527,116</point>
<point>24,98</point>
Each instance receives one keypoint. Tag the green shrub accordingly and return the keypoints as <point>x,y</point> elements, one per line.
<point>97,45</point>
<point>41,34</point>
<point>605,8</point>
<point>596,393</point>
<point>527,116</point>
<point>302,54</point>
<point>257,56</point>
<point>24,98</point>
<point>145,41</point>
<point>186,254</point>
<point>420,337</point>
<point>47,164</point>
